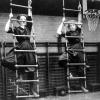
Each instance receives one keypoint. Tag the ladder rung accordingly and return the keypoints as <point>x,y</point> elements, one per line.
<point>23,35</point>
<point>71,10</point>
<point>72,23</point>
<point>76,63</point>
<point>27,81</point>
<point>13,19</point>
<point>77,49</point>
<point>24,50</point>
<point>76,77</point>
<point>27,96</point>
<point>16,5</point>
<point>74,91</point>
<point>73,36</point>
<point>26,65</point>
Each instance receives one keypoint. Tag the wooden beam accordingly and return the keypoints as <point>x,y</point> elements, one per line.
<point>84,5</point>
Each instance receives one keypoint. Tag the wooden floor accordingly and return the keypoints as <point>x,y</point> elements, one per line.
<point>78,96</point>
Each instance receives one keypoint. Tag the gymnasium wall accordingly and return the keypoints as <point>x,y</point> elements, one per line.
<point>46,27</point>
<point>50,74</point>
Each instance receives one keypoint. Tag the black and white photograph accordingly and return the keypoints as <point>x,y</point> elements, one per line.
<point>49,49</point>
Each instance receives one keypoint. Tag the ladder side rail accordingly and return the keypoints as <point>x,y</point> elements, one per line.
<point>14,45</point>
<point>79,50</point>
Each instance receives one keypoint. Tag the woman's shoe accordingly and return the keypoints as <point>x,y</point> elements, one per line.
<point>84,89</point>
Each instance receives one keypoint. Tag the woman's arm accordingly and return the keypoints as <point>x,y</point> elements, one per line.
<point>62,29</point>
<point>7,26</point>
<point>59,30</point>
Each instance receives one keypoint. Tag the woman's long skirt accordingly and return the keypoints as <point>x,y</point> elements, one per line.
<point>23,58</point>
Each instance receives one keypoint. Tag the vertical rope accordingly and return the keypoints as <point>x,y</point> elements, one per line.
<point>11,6</point>
<point>63,8</point>
<point>34,43</point>
<point>14,45</point>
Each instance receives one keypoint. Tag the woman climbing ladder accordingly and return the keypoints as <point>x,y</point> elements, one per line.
<point>24,53</point>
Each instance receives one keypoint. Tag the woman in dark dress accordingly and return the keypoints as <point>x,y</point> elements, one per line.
<point>23,58</point>
<point>72,29</point>
<point>23,43</point>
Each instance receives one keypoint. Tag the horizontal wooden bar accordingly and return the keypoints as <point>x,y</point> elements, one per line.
<point>16,5</point>
<point>74,91</point>
<point>13,19</point>
<point>71,10</point>
<point>23,35</point>
<point>26,81</point>
<point>76,77</point>
<point>74,36</point>
<point>72,23</point>
<point>76,64</point>
<point>26,66</point>
<point>76,49</point>
<point>24,50</point>
<point>27,96</point>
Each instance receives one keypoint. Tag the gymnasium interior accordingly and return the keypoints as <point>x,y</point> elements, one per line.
<point>52,83</point>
